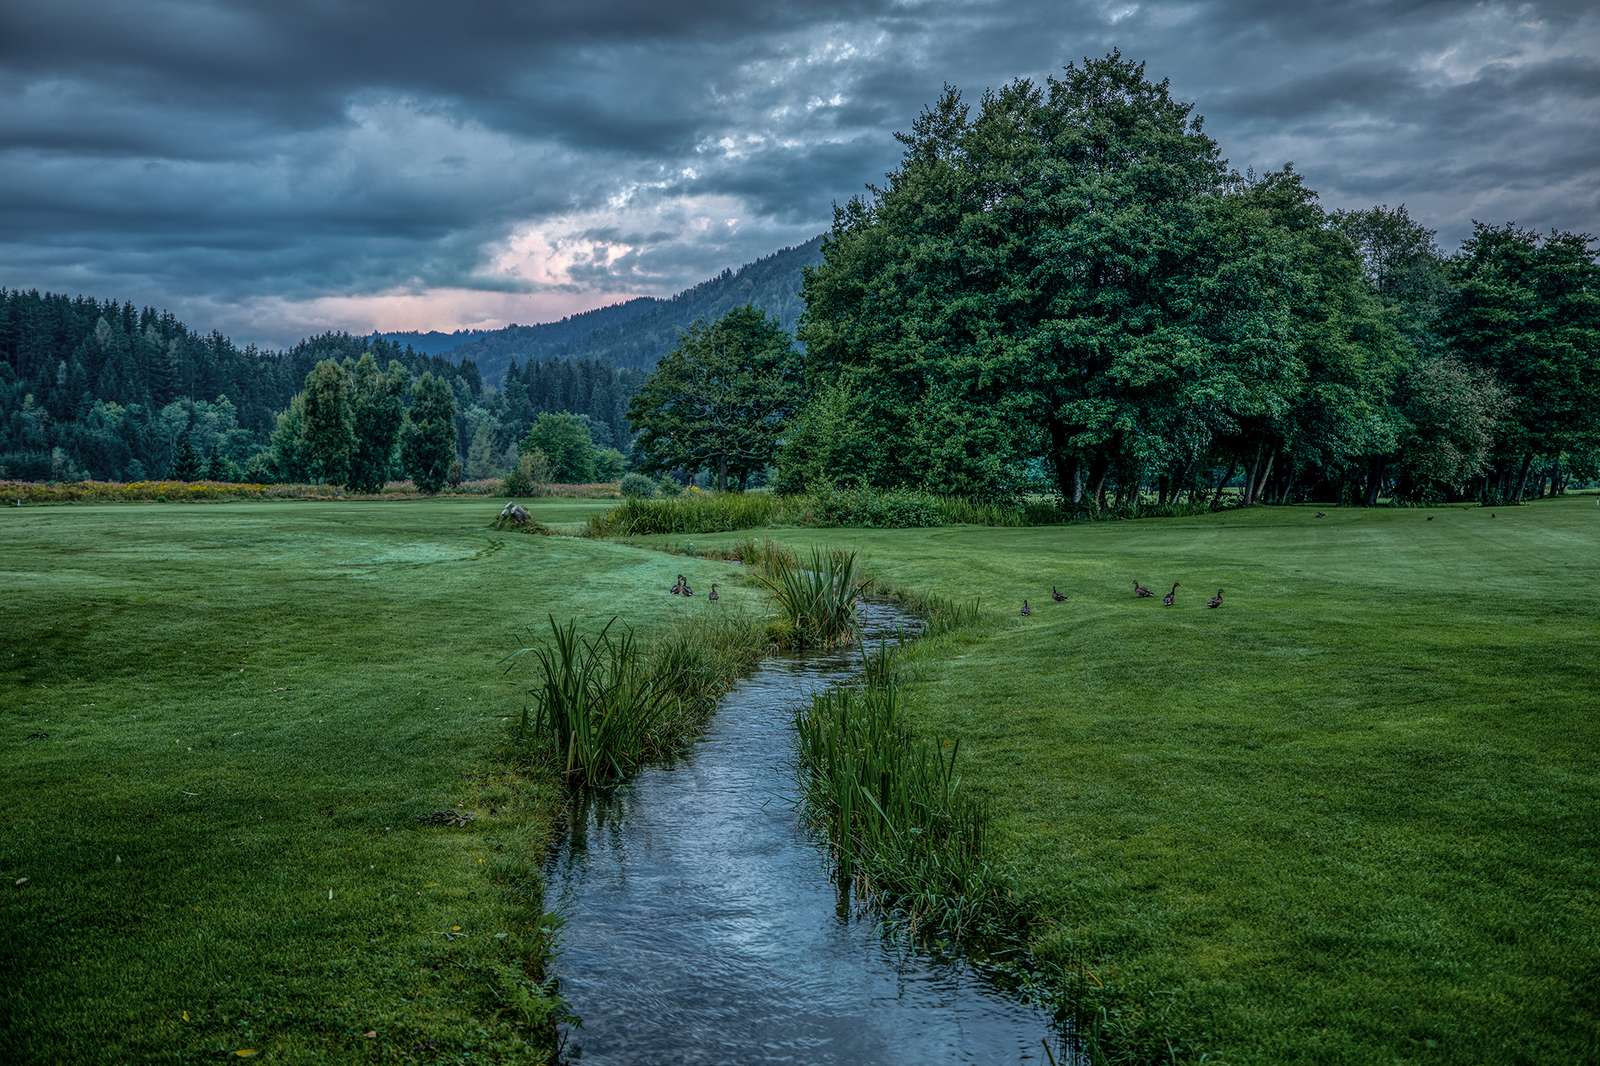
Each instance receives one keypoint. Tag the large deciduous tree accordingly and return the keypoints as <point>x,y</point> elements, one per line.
<point>720,399</point>
<point>1526,309</point>
<point>1026,284</point>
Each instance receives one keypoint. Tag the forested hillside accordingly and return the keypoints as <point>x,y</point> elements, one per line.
<point>638,333</point>
<point>108,390</point>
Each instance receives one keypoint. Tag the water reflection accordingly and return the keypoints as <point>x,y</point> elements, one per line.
<point>702,926</point>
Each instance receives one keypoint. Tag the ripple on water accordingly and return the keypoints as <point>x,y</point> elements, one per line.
<point>702,926</point>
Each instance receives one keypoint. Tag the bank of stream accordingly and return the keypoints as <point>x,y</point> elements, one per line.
<point>702,925</point>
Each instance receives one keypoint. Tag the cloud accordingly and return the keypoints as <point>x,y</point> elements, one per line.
<point>272,168</point>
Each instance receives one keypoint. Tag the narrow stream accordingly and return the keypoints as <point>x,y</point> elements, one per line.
<point>702,925</point>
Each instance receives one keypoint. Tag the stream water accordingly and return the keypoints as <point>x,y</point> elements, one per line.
<point>702,925</point>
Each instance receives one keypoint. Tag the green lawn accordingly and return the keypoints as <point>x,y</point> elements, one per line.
<point>219,724</point>
<point>1351,817</point>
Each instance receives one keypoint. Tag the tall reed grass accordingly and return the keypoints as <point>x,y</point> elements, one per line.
<point>602,707</point>
<point>817,597</point>
<point>901,830</point>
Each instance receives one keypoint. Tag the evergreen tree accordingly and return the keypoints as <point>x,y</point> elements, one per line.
<point>187,465</point>
<point>429,438</point>
<point>328,431</point>
<point>377,402</point>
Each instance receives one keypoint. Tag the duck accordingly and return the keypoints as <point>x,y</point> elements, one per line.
<point>712,595</point>
<point>1172,597</point>
<point>1215,601</point>
<point>1026,610</point>
<point>1321,515</point>
<point>687,591</point>
<point>1140,591</point>
<point>677,590</point>
<point>1059,597</point>
<point>1430,518</point>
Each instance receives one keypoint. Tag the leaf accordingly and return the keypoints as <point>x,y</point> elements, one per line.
<point>370,1033</point>
<point>245,1052</point>
<point>185,1015</point>
<point>21,881</point>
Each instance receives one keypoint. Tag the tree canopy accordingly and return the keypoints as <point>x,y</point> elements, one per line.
<point>720,399</point>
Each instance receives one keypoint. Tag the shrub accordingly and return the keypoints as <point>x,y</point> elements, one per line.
<point>609,464</point>
<point>638,487</point>
<point>530,476</point>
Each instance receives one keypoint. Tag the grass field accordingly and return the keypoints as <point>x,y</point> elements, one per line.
<point>1353,816</point>
<point>219,725</point>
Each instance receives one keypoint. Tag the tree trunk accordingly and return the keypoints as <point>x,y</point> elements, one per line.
<point>722,473</point>
<point>1250,481</point>
<point>1265,474</point>
<point>1375,480</point>
<point>1522,478</point>
<point>1216,497</point>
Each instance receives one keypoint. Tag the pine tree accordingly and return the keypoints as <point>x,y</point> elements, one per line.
<point>428,442</point>
<point>328,433</point>
<point>187,465</point>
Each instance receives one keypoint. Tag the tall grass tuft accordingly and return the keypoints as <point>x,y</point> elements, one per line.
<point>602,707</point>
<point>596,704</point>
<point>713,513</point>
<point>901,830</point>
<point>816,597</point>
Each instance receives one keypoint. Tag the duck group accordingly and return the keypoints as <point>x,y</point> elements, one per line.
<point>1139,592</point>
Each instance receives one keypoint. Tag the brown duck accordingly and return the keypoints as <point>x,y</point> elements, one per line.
<point>712,595</point>
<point>1140,591</point>
<point>1172,597</point>
<point>1215,601</point>
<point>1026,610</point>
<point>1056,595</point>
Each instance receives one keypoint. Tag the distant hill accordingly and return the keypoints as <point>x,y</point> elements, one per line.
<point>639,332</point>
<point>432,342</point>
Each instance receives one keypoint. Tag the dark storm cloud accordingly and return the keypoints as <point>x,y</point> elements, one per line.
<point>277,166</point>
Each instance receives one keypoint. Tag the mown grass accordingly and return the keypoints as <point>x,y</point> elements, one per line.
<point>1351,816</point>
<point>236,741</point>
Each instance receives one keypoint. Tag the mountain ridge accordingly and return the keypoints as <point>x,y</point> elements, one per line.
<point>634,333</point>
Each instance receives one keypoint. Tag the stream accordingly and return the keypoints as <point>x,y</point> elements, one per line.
<point>701,924</point>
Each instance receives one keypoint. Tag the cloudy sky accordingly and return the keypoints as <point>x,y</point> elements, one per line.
<point>278,167</point>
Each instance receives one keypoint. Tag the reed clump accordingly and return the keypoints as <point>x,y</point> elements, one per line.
<point>602,706</point>
<point>901,830</point>
<point>816,597</point>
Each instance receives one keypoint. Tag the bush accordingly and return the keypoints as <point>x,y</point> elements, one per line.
<point>609,464</point>
<point>638,487</point>
<point>530,476</point>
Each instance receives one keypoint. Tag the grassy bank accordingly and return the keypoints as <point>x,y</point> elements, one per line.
<point>254,778</point>
<point>1352,816</point>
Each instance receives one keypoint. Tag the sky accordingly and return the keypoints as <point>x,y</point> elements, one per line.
<point>274,169</point>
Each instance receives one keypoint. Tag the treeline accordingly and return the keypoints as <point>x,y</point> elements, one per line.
<point>105,390</point>
<point>1065,287</point>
